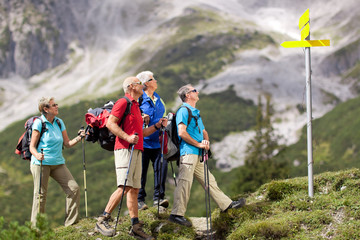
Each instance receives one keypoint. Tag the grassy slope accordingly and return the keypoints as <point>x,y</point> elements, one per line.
<point>277,210</point>
<point>283,210</point>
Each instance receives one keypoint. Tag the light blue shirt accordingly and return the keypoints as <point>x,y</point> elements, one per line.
<point>196,132</point>
<point>51,142</point>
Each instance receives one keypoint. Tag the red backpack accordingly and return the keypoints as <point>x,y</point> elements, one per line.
<point>96,129</point>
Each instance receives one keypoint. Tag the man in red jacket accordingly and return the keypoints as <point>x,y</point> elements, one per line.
<point>126,135</point>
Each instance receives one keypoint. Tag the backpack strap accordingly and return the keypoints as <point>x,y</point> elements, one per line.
<point>58,123</point>
<point>127,110</point>
<point>191,116</point>
<point>43,129</point>
<point>140,100</point>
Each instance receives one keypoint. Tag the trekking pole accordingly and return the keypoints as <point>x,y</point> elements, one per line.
<point>126,177</point>
<point>84,167</point>
<point>205,187</point>
<point>42,152</point>
<point>208,181</point>
<point>207,192</point>
<point>161,164</point>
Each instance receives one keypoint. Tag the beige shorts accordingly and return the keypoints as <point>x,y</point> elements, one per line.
<point>122,157</point>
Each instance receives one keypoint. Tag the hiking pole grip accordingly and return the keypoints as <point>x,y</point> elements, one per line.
<point>205,155</point>
<point>131,144</point>
<point>202,155</point>
<point>81,129</point>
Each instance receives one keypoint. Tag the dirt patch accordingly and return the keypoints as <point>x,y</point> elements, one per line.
<point>338,218</point>
<point>201,228</point>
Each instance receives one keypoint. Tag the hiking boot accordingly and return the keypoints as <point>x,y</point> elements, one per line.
<point>163,203</point>
<point>236,204</point>
<point>102,226</point>
<point>142,205</point>
<point>137,231</point>
<point>179,220</point>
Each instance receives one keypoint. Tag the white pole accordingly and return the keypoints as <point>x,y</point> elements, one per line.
<point>309,121</point>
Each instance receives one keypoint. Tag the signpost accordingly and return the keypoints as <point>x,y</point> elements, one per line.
<point>304,25</point>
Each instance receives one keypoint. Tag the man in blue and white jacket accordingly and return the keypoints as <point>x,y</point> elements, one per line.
<point>153,106</point>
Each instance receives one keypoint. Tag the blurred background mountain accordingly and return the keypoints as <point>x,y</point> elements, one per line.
<point>81,51</point>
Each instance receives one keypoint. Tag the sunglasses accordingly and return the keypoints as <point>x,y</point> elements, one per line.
<point>194,90</point>
<point>135,83</point>
<point>53,105</point>
<point>150,79</point>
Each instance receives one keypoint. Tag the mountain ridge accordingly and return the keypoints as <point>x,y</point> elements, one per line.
<point>99,50</point>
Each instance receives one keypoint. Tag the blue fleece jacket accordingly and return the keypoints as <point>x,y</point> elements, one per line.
<point>156,110</point>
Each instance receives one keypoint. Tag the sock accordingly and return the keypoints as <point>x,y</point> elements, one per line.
<point>105,213</point>
<point>134,221</point>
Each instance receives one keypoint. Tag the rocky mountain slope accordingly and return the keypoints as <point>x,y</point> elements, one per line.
<point>83,49</point>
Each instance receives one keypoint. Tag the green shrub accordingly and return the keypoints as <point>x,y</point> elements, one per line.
<point>15,231</point>
<point>278,190</point>
<point>225,223</point>
<point>266,229</point>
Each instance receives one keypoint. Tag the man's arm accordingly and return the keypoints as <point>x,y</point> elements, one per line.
<point>206,135</point>
<point>187,138</point>
<point>206,139</point>
<point>112,125</point>
<point>150,130</point>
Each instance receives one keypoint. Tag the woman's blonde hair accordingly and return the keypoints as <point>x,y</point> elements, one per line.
<point>44,102</point>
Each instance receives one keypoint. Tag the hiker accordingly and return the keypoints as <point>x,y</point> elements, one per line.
<point>193,139</point>
<point>125,137</point>
<point>47,160</point>
<point>153,106</point>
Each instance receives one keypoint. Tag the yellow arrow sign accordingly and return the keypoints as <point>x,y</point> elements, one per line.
<point>304,24</point>
<point>304,19</point>
<point>306,43</point>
